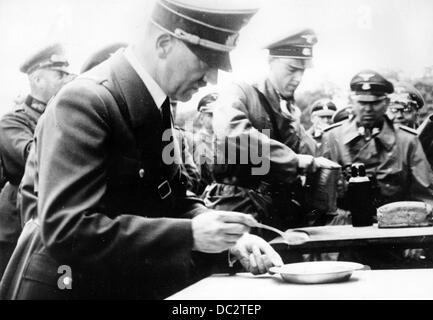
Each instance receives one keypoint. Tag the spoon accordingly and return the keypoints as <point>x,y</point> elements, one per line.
<point>291,238</point>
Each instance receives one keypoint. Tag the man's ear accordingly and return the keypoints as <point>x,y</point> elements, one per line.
<point>164,45</point>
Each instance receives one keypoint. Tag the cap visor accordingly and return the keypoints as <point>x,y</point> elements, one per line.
<point>368,98</point>
<point>324,113</point>
<point>298,62</point>
<point>62,69</point>
<point>214,59</point>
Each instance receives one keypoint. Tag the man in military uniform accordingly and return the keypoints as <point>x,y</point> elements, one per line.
<point>322,111</point>
<point>47,73</point>
<point>392,154</point>
<point>405,103</point>
<point>111,203</point>
<point>244,111</point>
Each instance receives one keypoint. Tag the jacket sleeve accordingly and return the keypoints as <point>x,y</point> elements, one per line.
<point>16,137</point>
<point>72,154</point>
<point>234,131</point>
<point>421,185</point>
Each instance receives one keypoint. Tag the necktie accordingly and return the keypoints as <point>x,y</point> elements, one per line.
<point>167,135</point>
<point>166,115</point>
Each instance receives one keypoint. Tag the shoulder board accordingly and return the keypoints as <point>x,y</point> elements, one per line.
<point>407,129</point>
<point>332,126</point>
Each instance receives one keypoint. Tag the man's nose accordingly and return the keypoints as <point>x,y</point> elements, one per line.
<point>368,107</point>
<point>211,76</point>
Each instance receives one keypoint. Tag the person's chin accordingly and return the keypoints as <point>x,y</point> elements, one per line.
<point>187,95</point>
<point>368,122</point>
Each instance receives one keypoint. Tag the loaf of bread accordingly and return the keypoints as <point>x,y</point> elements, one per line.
<point>404,214</point>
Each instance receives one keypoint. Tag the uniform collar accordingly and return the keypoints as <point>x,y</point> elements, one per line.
<point>141,105</point>
<point>386,135</point>
<point>154,89</point>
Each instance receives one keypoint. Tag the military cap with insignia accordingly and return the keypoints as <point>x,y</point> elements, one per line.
<point>370,86</point>
<point>101,55</point>
<point>297,45</point>
<point>323,107</point>
<point>406,94</point>
<point>209,28</point>
<point>51,57</point>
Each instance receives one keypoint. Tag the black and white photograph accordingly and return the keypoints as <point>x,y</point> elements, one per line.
<point>228,151</point>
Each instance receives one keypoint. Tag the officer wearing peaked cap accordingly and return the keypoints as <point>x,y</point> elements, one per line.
<point>119,214</point>
<point>392,154</point>
<point>405,103</point>
<point>47,72</point>
<point>264,113</point>
<point>322,111</point>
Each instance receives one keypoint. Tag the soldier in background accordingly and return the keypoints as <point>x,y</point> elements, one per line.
<point>203,140</point>
<point>322,111</point>
<point>392,154</point>
<point>405,103</point>
<point>47,72</point>
<point>243,114</point>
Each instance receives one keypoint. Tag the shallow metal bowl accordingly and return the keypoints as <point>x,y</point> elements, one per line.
<point>317,271</point>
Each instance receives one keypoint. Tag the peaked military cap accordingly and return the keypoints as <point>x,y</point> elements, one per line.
<point>101,55</point>
<point>50,57</point>
<point>209,28</point>
<point>342,114</point>
<point>296,45</point>
<point>406,94</point>
<point>323,107</point>
<point>370,86</point>
<point>206,103</point>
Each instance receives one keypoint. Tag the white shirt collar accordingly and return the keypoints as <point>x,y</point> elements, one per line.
<point>155,90</point>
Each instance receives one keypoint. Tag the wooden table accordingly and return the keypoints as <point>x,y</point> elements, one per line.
<point>410,284</point>
<point>329,238</point>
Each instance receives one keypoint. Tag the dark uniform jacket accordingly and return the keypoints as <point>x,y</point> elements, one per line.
<point>99,207</point>
<point>239,121</point>
<point>394,157</point>
<point>16,136</point>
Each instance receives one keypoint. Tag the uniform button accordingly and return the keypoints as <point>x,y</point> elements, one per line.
<point>141,173</point>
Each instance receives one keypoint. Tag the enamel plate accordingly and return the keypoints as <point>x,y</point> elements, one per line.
<point>317,271</point>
